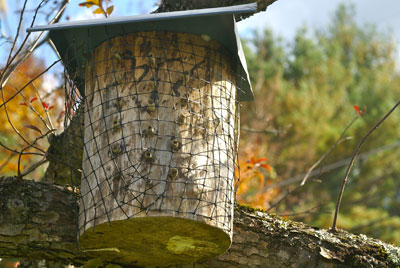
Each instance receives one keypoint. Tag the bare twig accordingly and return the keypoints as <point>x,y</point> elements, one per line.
<point>6,161</point>
<point>26,148</point>
<point>353,158</point>
<point>10,68</point>
<point>27,84</point>
<point>10,57</point>
<point>265,131</point>
<point>338,141</point>
<point>34,166</point>
<point>309,172</point>
<point>18,152</point>
<point>312,210</point>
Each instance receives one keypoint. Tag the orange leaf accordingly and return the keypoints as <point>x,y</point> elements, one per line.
<point>110,10</point>
<point>98,11</point>
<point>266,166</point>
<point>23,103</point>
<point>356,108</point>
<point>262,160</point>
<point>34,128</point>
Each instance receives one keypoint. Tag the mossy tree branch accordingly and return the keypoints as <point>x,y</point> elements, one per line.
<point>38,220</point>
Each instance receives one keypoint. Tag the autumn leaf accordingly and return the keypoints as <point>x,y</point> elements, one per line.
<point>34,128</point>
<point>359,111</point>
<point>45,105</point>
<point>23,103</point>
<point>33,99</point>
<point>266,166</point>
<point>110,9</point>
<point>98,11</point>
<point>86,4</point>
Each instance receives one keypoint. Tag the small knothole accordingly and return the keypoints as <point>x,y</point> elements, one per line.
<point>149,132</point>
<point>148,157</point>
<point>173,173</point>
<point>181,119</point>
<point>175,145</point>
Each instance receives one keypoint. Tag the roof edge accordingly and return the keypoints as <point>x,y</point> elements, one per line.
<point>238,9</point>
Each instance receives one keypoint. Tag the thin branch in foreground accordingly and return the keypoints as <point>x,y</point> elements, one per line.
<point>308,174</point>
<point>353,158</point>
<point>338,141</point>
<point>20,175</point>
<point>27,84</point>
<point>6,161</point>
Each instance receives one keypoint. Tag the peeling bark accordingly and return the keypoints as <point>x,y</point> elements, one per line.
<point>37,221</point>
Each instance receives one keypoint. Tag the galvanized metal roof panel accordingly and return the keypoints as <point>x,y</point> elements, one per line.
<point>247,8</point>
<point>218,23</point>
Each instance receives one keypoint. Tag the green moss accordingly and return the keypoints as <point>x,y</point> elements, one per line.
<point>95,263</point>
<point>152,241</point>
<point>248,208</point>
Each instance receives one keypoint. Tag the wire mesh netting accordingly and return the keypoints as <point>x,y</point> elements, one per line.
<point>153,119</point>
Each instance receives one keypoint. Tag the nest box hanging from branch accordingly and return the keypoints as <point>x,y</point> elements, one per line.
<point>158,131</point>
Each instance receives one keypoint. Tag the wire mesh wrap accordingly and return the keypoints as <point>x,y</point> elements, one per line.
<point>160,138</point>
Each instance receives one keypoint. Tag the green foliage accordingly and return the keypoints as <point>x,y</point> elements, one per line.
<point>306,90</point>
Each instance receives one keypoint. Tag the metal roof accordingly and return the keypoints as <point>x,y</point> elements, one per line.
<point>218,23</point>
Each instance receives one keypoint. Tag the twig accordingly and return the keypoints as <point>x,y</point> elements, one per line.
<point>338,141</point>
<point>26,148</point>
<point>34,166</point>
<point>18,152</point>
<point>6,161</point>
<point>307,211</point>
<point>10,57</point>
<point>27,84</point>
<point>308,174</point>
<point>355,153</point>
<point>9,69</point>
<point>33,108</point>
<point>265,131</point>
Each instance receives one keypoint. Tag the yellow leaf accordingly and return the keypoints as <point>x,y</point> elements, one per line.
<point>110,10</point>
<point>86,4</point>
<point>98,11</point>
<point>94,2</point>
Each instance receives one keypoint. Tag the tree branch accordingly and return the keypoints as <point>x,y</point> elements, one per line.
<point>37,220</point>
<point>176,5</point>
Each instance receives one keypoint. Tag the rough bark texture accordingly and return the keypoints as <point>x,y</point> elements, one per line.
<point>37,221</point>
<point>176,5</point>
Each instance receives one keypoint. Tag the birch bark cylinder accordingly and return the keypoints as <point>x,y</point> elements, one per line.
<point>159,149</point>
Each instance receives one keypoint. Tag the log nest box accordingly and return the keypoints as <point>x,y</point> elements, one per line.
<point>158,100</point>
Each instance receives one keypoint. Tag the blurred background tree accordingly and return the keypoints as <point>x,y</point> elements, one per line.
<point>305,92</point>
